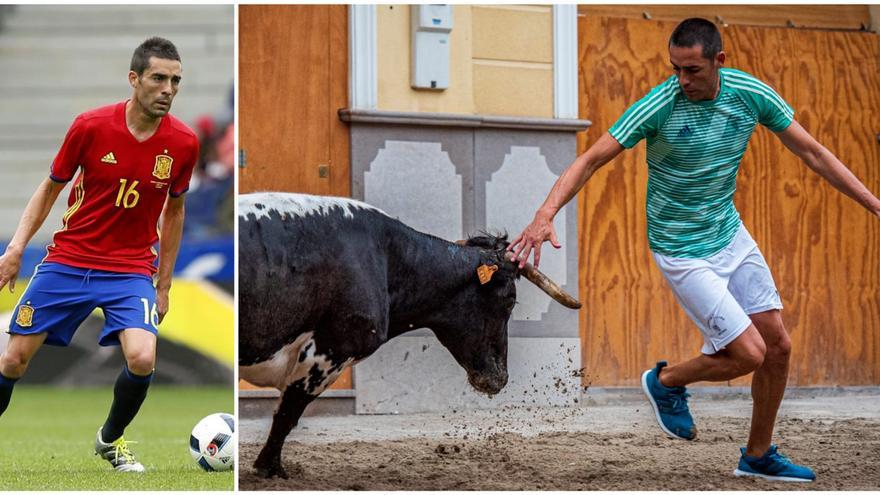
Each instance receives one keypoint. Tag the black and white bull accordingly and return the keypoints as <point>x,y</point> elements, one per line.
<point>324,282</point>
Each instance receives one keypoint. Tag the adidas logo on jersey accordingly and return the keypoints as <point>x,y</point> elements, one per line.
<point>685,131</point>
<point>109,158</point>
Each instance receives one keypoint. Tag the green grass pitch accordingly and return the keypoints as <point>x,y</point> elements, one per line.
<point>47,439</point>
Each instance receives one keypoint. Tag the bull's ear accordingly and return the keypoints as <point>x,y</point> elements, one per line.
<point>485,272</point>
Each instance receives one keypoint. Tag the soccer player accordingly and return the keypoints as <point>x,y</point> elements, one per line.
<point>697,124</point>
<point>134,161</point>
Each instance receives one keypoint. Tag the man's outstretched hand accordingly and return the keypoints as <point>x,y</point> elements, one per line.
<point>532,237</point>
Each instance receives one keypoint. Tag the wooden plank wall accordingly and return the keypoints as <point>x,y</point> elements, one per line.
<point>823,248</point>
<point>293,78</point>
<point>810,16</point>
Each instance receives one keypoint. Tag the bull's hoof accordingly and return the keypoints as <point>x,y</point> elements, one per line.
<point>271,471</point>
<point>270,468</point>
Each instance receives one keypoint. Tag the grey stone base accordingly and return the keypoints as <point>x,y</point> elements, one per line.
<point>417,374</point>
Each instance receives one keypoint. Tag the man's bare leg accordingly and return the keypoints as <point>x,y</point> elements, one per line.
<point>19,351</point>
<point>14,362</point>
<point>665,385</point>
<point>742,356</point>
<point>769,381</point>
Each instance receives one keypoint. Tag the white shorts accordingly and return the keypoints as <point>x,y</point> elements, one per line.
<point>720,292</point>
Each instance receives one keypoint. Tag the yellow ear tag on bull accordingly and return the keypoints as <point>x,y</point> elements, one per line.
<point>485,273</point>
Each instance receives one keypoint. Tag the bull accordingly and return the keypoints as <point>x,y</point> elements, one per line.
<point>324,282</point>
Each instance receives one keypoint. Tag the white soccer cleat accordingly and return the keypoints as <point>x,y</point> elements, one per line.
<point>118,454</point>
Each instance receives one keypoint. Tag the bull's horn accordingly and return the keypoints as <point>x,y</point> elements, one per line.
<point>550,287</point>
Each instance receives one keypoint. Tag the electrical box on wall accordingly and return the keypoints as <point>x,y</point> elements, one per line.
<point>431,25</point>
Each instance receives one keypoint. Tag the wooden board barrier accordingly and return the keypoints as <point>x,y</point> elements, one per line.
<point>811,16</point>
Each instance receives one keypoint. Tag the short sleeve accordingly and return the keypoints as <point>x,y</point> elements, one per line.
<point>775,114</point>
<point>71,154</point>
<point>771,110</point>
<point>181,183</point>
<point>644,118</point>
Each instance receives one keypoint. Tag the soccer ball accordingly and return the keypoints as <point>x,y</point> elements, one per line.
<point>212,443</point>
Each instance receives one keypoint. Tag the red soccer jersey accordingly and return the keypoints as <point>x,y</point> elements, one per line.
<point>113,211</point>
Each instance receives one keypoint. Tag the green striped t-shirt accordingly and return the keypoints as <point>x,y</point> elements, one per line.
<point>694,151</point>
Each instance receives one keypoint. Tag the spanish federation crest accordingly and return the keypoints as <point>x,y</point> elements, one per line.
<point>25,316</point>
<point>162,169</point>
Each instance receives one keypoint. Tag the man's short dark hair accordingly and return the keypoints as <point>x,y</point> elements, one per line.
<point>153,47</point>
<point>697,31</point>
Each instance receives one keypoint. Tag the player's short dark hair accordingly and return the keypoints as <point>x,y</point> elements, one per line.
<point>697,31</point>
<point>153,47</point>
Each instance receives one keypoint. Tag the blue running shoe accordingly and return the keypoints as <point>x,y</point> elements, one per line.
<point>670,405</point>
<point>773,466</point>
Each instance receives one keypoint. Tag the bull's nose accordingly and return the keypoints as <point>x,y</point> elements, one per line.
<point>488,383</point>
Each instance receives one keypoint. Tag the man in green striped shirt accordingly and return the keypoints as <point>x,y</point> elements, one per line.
<point>697,125</point>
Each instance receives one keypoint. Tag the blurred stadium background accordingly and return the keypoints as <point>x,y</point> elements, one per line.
<point>63,60</point>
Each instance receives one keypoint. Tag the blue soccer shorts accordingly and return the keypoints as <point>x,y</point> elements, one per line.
<point>60,297</point>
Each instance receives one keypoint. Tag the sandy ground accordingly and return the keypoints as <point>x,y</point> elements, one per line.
<point>610,443</point>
